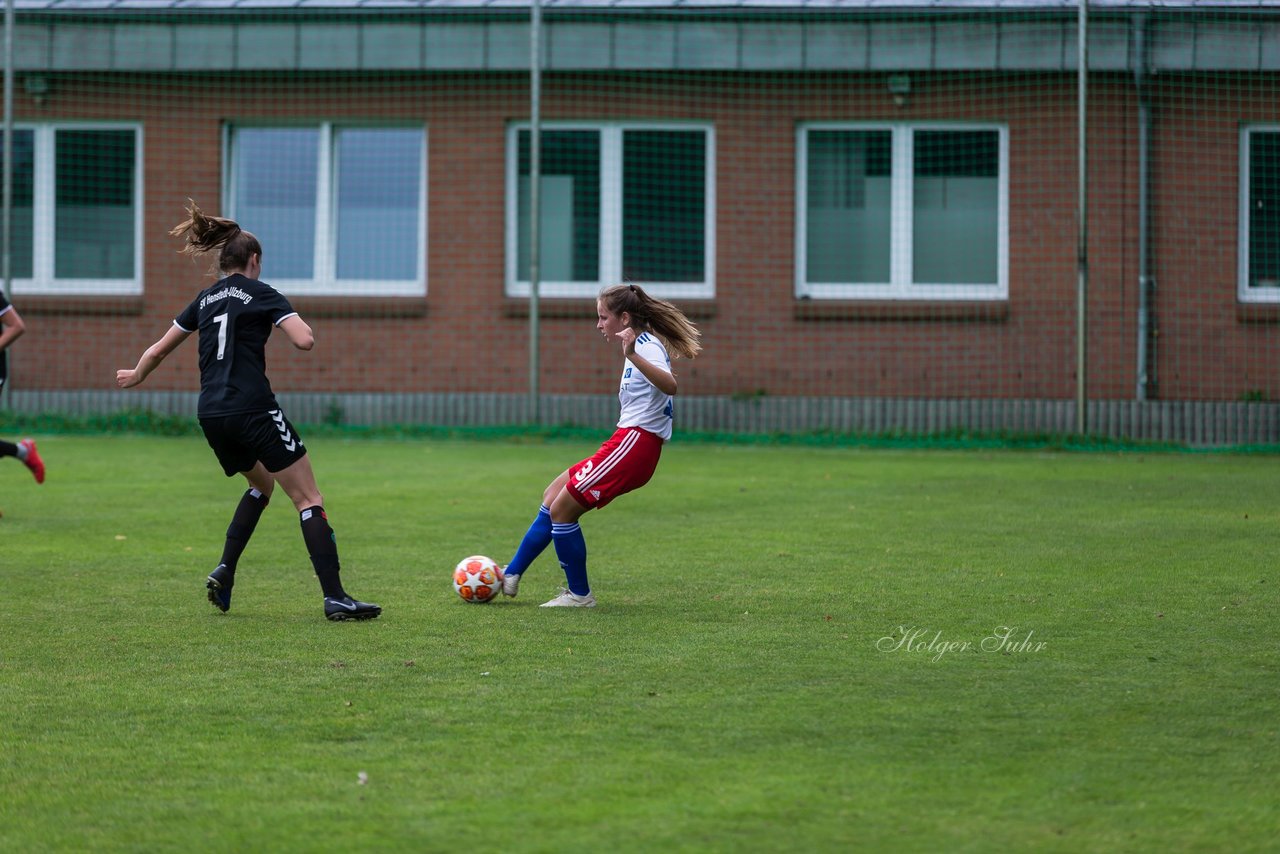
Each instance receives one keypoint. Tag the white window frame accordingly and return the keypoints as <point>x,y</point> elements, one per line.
<point>325,281</point>
<point>43,281</point>
<point>1244,293</point>
<point>900,286</point>
<point>610,272</point>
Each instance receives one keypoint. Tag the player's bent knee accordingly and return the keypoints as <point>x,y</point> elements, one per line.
<point>303,500</point>
<point>566,508</point>
<point>302,495</point>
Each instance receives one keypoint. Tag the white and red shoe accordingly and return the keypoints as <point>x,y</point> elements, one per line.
<point>31,459</point>
<point>569,599</point>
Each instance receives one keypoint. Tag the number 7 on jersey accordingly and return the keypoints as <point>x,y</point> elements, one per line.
<point>221,320</point>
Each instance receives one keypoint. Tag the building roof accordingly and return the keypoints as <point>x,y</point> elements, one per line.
<point>643,35</point>
<point>752,6</point>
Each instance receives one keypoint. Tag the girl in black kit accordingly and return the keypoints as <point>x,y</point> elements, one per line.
<point>11,328</point>
<point>238,412</point>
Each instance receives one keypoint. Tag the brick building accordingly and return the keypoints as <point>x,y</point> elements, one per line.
<point>858,202</point>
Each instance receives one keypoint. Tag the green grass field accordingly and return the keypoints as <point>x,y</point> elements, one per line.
<point>796,649</point>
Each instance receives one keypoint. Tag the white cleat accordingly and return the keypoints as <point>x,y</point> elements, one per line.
<point>510,583</point>
<point>569,599</point>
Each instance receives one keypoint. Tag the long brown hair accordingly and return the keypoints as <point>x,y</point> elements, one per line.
<point>204,233</point>
<point>654,315</point>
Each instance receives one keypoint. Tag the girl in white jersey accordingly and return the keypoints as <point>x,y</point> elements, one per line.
<point>645,327</point>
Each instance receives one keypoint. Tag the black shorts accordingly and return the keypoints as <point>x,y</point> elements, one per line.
<point>242,441</point>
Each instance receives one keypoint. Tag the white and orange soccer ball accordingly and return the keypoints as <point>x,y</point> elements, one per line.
<point>477,579</point>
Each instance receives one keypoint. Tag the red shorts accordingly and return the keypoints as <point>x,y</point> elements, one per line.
<point>623,463</point>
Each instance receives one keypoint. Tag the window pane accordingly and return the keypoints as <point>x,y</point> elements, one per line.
<point>664,182</point>
<point>1264,210</point>
<point>569,197</point>
<point>957,198</point>
<point>275,196</point>
<point>22,217</point>
<point>848,206</point>
<point>379,174</point>
<point>94,210</point>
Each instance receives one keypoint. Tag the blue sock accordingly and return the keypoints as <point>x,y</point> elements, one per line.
<point>536,539</point>
<point>571,549</point>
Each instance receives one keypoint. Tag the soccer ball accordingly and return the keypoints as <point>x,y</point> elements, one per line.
<point>477,579</point>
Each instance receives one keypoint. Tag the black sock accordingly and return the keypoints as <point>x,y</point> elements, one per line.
<point>322,545</point>
<point>243,523</point>
<point>8,449</point>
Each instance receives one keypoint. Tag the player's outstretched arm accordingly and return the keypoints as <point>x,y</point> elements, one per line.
<point>11,327</point>
<point>151,358</point>
<point>300,334</point>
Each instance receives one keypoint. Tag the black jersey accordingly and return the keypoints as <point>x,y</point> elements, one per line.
<point>235,317</point>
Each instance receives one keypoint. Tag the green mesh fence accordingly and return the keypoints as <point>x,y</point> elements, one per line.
<point>869,209</point>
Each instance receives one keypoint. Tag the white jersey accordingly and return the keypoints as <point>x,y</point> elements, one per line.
<point>643,404</point>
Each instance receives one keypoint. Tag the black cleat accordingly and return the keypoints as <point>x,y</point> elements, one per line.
<point>219,585</point>
<point>347,608</point>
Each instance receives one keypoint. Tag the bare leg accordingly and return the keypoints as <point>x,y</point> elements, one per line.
<point>564,507</point>
<point>554,488</point>
<point>298,482</point>
<point>261,479</point>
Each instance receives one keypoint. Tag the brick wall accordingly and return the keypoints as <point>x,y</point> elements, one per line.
<point>469,337</point>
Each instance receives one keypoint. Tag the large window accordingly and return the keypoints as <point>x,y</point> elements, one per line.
<point>619,203</point>
<point>340,210</point>
<point>76,220</point>
<point>902,212</point>
<point>1259,251</point>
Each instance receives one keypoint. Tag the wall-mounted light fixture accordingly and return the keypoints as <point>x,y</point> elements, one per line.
<point>899,87</point>
<point>37,86</point>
